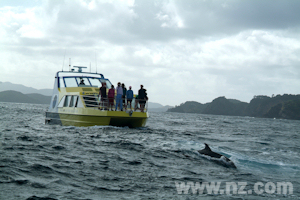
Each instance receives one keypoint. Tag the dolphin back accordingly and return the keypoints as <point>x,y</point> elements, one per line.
<point>208,152</point>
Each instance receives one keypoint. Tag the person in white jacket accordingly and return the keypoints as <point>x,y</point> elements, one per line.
<point>119,97</point>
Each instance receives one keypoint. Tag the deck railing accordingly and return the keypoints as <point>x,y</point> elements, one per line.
<point>96,102</point>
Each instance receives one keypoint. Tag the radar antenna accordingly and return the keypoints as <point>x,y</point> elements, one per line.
<point>80,68</point>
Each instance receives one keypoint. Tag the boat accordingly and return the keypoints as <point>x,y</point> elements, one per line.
<point>75,102</point>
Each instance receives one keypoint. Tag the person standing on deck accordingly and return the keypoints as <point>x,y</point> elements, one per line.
<point>111,97</point>
<point>124,96</point>
<point>102,92</point>
<point>119,97</point>
<point>142,98</point>
<point>129,95</point>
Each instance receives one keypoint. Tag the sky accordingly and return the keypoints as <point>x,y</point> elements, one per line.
<point>180,50</point>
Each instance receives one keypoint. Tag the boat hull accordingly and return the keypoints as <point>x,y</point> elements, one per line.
<point>105,118</point>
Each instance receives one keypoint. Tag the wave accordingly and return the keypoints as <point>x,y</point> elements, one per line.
<point>57,162</point>
<point>189,149</point>
<point>40,198</point>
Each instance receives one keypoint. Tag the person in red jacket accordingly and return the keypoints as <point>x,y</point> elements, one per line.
<point>111,97</point>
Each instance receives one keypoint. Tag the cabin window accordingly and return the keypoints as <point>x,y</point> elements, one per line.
<point>79,103</point>
<point>70,82</point>
<point>61,103</point>
<point>72,101</point>
<point>108,85</point>
<point>61,83</point>
<point>54,101</point>
<point>95,82</point>
<point>67,101</point>
<point>76,101</point>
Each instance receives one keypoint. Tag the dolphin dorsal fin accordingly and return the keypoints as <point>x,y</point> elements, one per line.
<point>207,147</point>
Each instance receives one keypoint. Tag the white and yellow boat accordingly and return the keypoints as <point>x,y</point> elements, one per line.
<point>77,104</point>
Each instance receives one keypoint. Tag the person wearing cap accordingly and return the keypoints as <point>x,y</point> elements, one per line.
<point>119,90</point>
<point>129,95</point>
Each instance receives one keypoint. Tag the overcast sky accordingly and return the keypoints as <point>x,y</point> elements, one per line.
<point>185,50</point>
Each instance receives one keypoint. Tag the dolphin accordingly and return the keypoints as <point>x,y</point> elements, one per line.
<point>223,159</point>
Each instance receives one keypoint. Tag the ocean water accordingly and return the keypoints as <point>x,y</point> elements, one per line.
<point>159,161</point>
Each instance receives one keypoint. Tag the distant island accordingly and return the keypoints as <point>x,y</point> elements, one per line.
<point>18,97</point>
<point>285,106</point>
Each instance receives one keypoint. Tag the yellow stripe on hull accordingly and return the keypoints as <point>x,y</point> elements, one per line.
<point>83,120</point>
<point>103,118</point>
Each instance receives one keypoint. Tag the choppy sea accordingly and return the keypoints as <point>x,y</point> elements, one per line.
<point>159,161</point>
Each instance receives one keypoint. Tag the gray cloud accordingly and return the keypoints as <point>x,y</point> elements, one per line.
<point>231,17</point>
<point>180,50</point>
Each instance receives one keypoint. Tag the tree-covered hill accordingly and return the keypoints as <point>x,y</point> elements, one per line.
<point>18,97</point>
<point>285,106</point>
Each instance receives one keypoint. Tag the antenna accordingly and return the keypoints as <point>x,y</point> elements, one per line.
<point>62,69</point>
<point>90,66</point>
<point>69,64</point>
<point>96,60</point>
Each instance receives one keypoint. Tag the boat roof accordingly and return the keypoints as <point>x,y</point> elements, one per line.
<point>78,73</point>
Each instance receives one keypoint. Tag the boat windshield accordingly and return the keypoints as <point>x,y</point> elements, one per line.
<point>83,82</point>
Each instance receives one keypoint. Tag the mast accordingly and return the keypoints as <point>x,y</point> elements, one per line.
<point>96,61</point>
<point>62,69</point>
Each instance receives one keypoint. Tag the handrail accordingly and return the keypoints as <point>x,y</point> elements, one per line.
<point>95,101</point>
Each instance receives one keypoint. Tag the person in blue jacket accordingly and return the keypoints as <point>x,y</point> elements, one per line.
<point>129,95</point>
